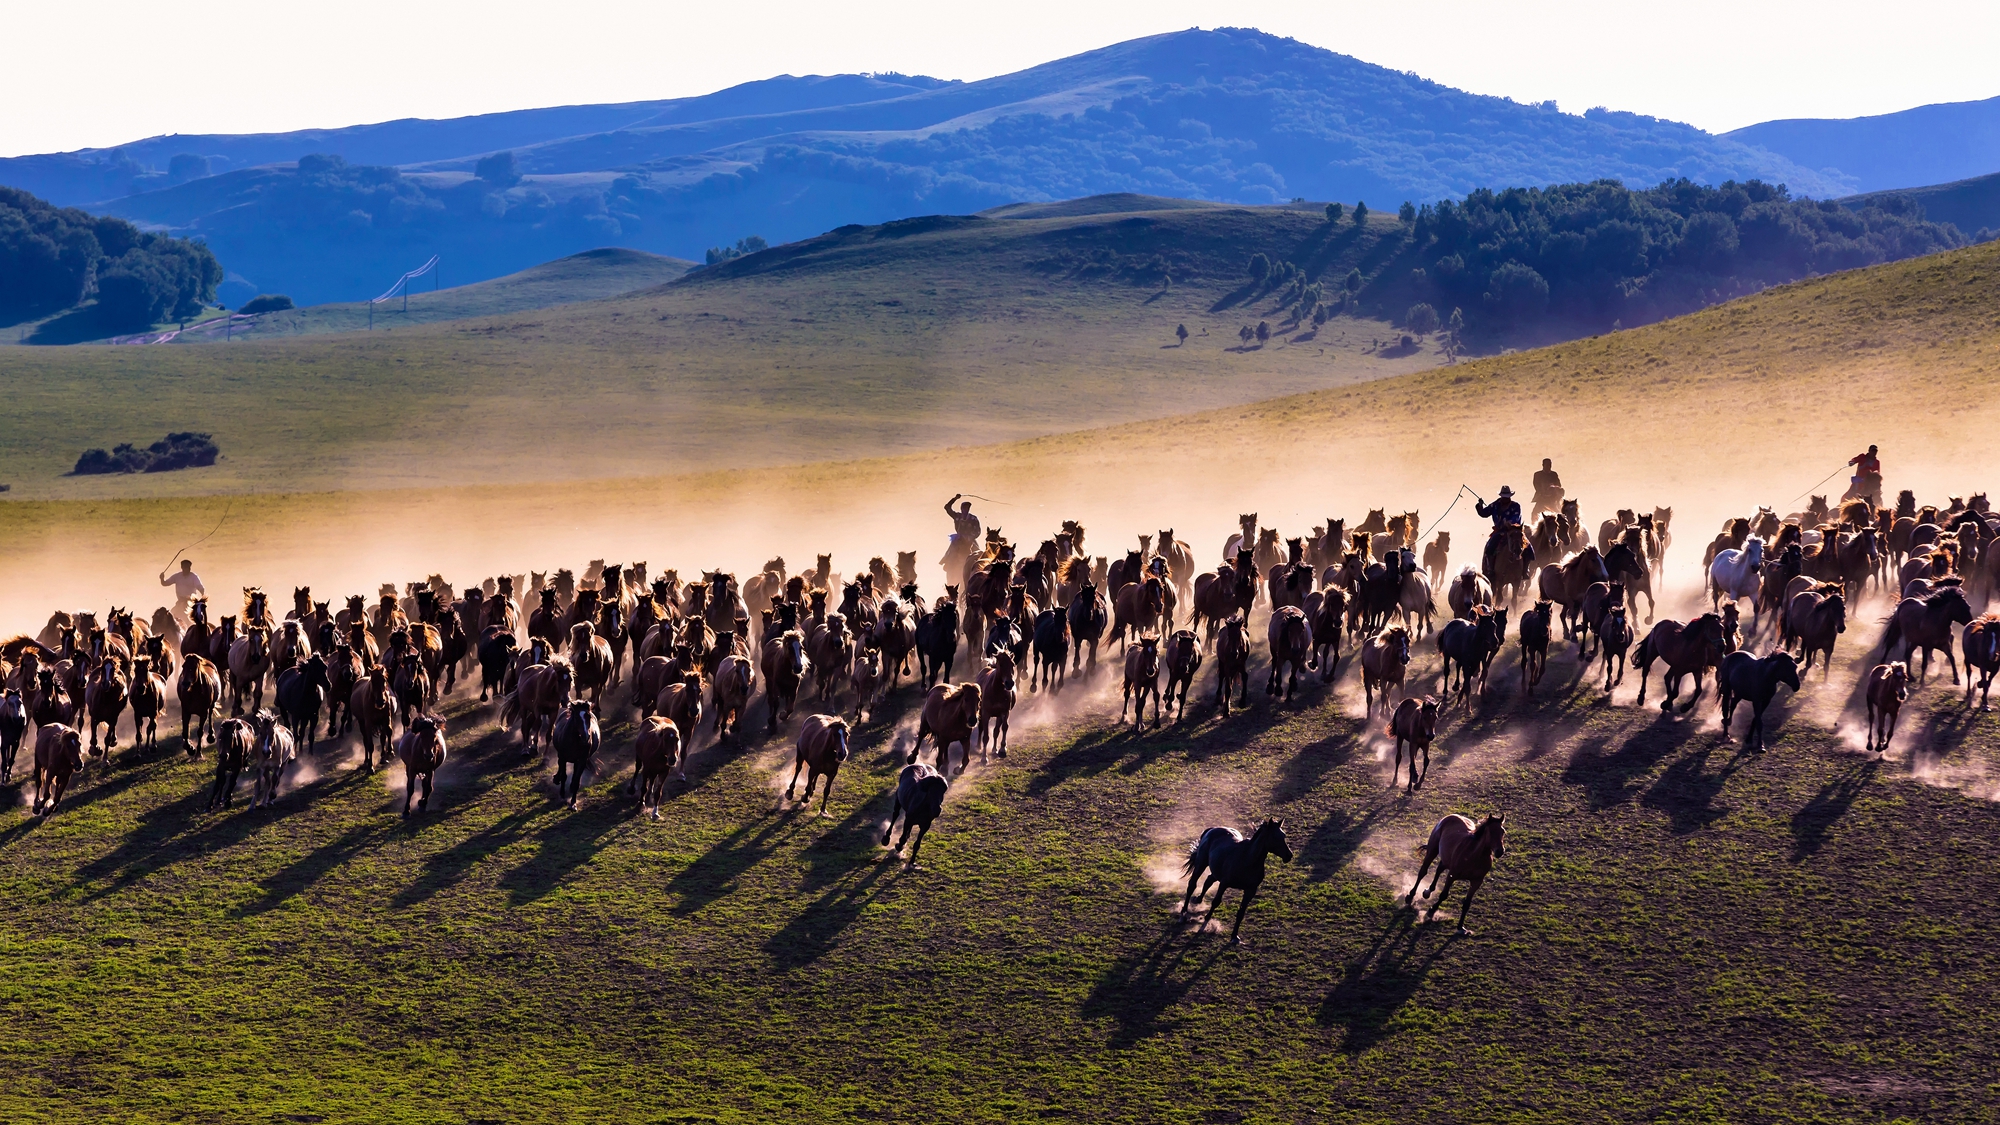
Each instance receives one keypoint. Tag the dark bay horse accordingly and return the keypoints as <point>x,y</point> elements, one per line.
<point>1744,677</point>
<point>1691,648</point>
<point>1235,863</point>
<point>920,792</point>
<point>1461,850</point>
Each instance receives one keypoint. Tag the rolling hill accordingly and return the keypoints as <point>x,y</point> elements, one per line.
<point>1971,205</point>
<point>1229,115</point>
<point>1931,144</point>
<point>1680,930</point>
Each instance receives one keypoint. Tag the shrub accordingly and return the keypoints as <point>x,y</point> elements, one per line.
<point>184,450</point>
<point>267,302</point>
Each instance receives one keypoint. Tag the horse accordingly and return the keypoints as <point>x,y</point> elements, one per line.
<point>249,661</point>
<point>1051,650</point>
<point>1437,556</point>
<point>199,690</point>
<point>1413,597</point>
<point>1565,584</point>
<point>104,696</point>
<point>656,752</point>
<point>58,754</point>
<point>1626,563</point>
<point>1182,660</point>
<point>1142,678</point>
<point>1887,687</point>
<point>1981,641</point>
<point>1229,589</point>
<point>895,634</point>
<point>422,752</point>
<point>273,750</point>
<point>1691,648</point>
<point>1138,608</point>
<point>1738,574</point>
<point>590,656</point>
<point>1469,591</point>
<point>410,682</point>
<point>1088,620</point>
<point>937,640</point>
<point>784,670</point>
<point>1745,677</point>
<point>1291,644</point>
<point>1234,863</point>
<point>997,694</point>
<point>822,746</point>
<point>1180,561</point>
<point>540,691</point>
<point>303,690</point>
<point>1925,623</point>
<point>1245,538</point>
<point>1414,724</point>
<point>729,695</point>
<point>1232,663</point>
<point>1326,611</point>
<point>1461,850</point>
<point>1467,647</point>
<point>950,716</point>
<point>679,702</point>
<point>576,738</point>
<point>496,652</point>
<point>920,792</point>
<point>1384,657</point>
<point>234,738</point>
<point>374,716</point>
<point>13,729</point>
<point>1509,561</point>
<point>1815,617</point>
<point>1534,645</point>
<point>1614,635</point>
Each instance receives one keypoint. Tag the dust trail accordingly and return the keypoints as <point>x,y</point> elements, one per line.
<point>1202,803</point>
<point>1390,857</point>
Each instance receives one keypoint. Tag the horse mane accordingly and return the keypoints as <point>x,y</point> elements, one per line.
<point>1393,632</point>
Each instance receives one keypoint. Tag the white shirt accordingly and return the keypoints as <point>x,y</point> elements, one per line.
<point>185,583</point>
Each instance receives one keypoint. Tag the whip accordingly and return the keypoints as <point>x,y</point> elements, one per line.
<point>205,538</point>
<point>1822,480</point>
<point>984,499</point>
<point>1456,497</point>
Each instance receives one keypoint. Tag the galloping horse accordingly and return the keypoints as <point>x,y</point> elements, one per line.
<point>1235,863</point>
<point>1461,850</point>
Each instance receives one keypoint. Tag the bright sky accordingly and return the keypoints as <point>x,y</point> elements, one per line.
<point>308,63</point>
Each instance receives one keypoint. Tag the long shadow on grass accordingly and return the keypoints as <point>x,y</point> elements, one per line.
<point>1377,984</point>
<point>1141,990</point>
<point>1811,823</point>
<point>565,844</point>
<point>839,865</point>
<point>714,874</point>
<point>183,829</point>
<point>1200,738</point>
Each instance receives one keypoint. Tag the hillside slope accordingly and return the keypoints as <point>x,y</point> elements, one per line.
<point>1930,144</point>
<point>1973,205</point>
<point>1229,115</point>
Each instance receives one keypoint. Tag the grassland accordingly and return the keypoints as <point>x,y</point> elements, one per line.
<point>862,344</point>
<point>1680,932</point>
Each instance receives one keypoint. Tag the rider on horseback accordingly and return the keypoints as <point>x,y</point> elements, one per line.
<point>1505,512</point>
<point>1867,479</point>
<point>1548,489</point>
<point>964,535</point>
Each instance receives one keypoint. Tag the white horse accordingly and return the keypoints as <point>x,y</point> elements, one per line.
<point>1414,600</point>
<point>1738,574</point>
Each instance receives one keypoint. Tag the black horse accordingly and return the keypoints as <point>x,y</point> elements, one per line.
<point>937,643</point>
<point>303,690</point>
<point>920,794</point>
<point>1745,677</point>
<point>576,739</point>
<point>14,727</point>
<point>1051,650</point>
<point>1468,646</point>
<point>1235,863</point>
<point>1088,619</point>
<point>497,650</point>
<point>233,739</point>
<point>1002,636</point>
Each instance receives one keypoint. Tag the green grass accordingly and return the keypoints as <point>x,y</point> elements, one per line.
<point>1679,933</point>
<point>850,346</point>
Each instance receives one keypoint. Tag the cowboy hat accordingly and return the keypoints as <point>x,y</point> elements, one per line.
<point>1506,491</point>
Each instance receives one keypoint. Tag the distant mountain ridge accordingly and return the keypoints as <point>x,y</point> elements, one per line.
<point>1231,116</point>
<point>1931,144</point>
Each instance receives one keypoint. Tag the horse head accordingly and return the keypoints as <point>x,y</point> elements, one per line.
<point>1271,835</point>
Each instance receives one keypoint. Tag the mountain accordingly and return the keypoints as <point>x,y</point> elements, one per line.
<point>1230,115</point>
<point>1931,144</point>
<point>1972,205</point>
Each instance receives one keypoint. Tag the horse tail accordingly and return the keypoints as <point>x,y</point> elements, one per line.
<point>1197,857</point>
<point>1644,656</point>
<point>1892,634</point>
<point>510,708</point>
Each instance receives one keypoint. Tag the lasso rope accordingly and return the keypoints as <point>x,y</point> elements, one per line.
<point>1456,497</point>
<point>1822,480</point>
<point>205,538</point>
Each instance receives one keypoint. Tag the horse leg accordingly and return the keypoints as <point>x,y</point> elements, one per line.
<point>796,766</point>
<point>1949,659</point>
<point>1221,889</point>
<point>1420,779</point>
<point>1242,908</point>
<point>1464,912</point>
<point>1430,854</point>
<point>1449,881</point>
<point>891,827</point>
<point>922,831</point>
<point>825,793</point>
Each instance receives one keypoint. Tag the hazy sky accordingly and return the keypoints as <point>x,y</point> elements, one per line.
<point>99,72</point>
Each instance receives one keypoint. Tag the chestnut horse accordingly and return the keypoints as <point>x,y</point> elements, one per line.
<point>1693,648</point>
<point>1461,850</point>
<point>822,746</point>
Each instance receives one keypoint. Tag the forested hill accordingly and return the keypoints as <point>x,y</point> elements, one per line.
<point>1228,115</point>
<point>115,276</point>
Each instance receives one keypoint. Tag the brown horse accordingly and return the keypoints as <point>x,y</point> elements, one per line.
<point>105,694</point>
<point>1291,641</point>
<point>1326,610</point>
<point>422,752</point>
<point>1925,623</point>
<point>1534,645</point>
<point>1887,687</point>
<point>249,662</point>
<point>1693,648</point>
<point>1138,608</point>
<point>1509,561</point>
<point>540,691</point>
<point>1384,658</point>
<point>865,677</point>
<point>1626,562</point>
<point>656,754</point>
<point>199,689</point>
<point>1414,725</point>
<point>997,695</point>
<point>1981,642</point>
<point>1142,678</point>
<point>784,661</point>
<point>1232,663</point>
<point>371,707</point>
<point>729,694</point>
<point>1815,618</point>
<point>148,699</point>
<point>1437,557</point>
<point>822,747</point>
<point>950,716</point>
<point>1182,659</point>
<point>1461,850</point>
<point>680,704</point>
<point>1614,635</point>
<point>1565,584</point>
<point>58,754</point>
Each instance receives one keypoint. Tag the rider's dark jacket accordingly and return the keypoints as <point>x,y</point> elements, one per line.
<point>1504,512</point>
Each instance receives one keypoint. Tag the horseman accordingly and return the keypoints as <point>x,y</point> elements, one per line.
<point>1505,512</point>
<point>964,536</point>
<point>1548,490</point>
<point>1867,480</point>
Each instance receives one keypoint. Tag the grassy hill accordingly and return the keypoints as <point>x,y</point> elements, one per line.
<point>1973,205</point>
<point>861,343</point>
<point>1679,931</point>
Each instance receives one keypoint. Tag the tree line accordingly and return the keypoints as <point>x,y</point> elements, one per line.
<point>55,258</point>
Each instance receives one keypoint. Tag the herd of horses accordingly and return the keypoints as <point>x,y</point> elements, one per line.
<point>559,653</point>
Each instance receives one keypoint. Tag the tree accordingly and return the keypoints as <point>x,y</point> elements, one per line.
<point>1422,319</point>
<point>1407,213</point>
<point>1360,214</point>
<point>1246,334</point>
<point>1263,332</point>
<point>1181,333</point>
<point>1517,293</point>
<point>1260,268</point>
<point>1353,282</point>
<point>1333,211</point>
<point>498,169</point>
<point>266,302</point>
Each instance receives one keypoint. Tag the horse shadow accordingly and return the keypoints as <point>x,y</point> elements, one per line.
<point>567,843</point>
<point>448,867</point>
<point>1813,821</point>
<point>1325,853</point>
<point>1686,790</point>
<point>183,829</point>
<point>1140,991</point>
<point>1303,771</point>
<point>1376,985</point>
<point>1617,778</point>
<point>713,875</point>
<point>847,888</point>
